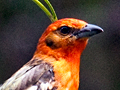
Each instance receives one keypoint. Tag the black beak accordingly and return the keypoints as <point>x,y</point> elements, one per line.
<point>88,31</point>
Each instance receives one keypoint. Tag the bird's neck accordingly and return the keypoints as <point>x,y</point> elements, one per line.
<point>66,62</point>
<point>66,52</point>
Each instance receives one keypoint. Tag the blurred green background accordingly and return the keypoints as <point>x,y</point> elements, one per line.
<point>22,22</point>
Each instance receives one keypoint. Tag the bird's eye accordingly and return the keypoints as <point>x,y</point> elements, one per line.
<point>65,30</point>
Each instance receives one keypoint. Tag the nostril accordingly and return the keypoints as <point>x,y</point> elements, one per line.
<point>85,25</point>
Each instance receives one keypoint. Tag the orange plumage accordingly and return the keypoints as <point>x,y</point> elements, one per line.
<point>55,64</point>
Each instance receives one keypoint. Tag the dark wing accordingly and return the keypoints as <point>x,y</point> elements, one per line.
<point>34,77</point>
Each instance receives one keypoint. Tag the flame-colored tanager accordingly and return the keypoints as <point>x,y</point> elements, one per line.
<point>55,63</point>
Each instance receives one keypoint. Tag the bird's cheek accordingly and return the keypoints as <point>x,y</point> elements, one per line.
<point>53,41</point>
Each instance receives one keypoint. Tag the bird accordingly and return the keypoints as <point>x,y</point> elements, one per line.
<point>56,61</point>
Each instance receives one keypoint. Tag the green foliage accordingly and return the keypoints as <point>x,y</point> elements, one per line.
<point>52,15</point>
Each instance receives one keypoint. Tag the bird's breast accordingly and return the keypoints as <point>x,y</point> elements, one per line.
<point>66,75</point>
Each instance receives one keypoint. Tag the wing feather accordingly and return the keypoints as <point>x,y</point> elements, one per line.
<point>30,76</point>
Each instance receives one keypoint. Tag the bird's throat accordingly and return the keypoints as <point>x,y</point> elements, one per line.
<point>66,62</point>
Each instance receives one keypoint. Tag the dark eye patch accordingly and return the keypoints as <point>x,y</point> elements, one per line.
<point>65,30</point>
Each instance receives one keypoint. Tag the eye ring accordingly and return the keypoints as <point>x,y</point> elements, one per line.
<point>65,30</point>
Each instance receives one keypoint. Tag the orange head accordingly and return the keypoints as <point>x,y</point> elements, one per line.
<point>65,36</point>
